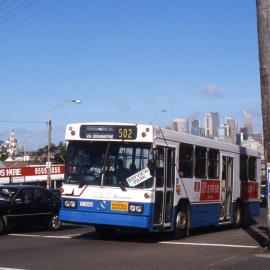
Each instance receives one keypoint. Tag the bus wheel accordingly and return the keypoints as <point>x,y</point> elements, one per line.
<point>104,231</point>
<point>182,221</point>
<point>2,226</point>
<point>238,218</point>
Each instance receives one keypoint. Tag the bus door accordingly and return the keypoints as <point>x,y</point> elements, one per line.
<point>164,189</point>
<point>226,188</point>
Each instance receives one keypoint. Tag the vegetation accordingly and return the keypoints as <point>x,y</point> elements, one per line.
<point>58,154</point>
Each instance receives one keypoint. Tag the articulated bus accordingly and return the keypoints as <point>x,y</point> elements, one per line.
<point>135,176</point>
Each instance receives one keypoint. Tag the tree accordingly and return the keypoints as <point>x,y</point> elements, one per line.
<point>60,153</point>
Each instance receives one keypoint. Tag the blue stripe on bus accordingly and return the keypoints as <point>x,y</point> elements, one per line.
<point>100,213</point>
<point>125,220</point>
<point>204,214</point>
<point>251,209</point>
<point>201,214</point>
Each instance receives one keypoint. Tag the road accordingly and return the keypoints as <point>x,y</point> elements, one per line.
<point>79,247</point>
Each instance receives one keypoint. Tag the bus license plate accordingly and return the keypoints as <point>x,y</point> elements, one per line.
<point>119,206</point>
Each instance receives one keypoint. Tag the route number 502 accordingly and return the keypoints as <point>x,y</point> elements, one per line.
<point>125,133</point>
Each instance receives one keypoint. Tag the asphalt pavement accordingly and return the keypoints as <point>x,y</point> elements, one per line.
<point>79,247</point>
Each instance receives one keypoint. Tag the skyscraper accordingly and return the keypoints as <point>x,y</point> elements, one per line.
<point>211,124</point>
<point>248,122</point>
<point>230,136</point>
<point>196,129</point>
<point>181,124</point>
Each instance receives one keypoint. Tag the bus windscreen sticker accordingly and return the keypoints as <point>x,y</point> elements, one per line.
<point>139,177</point>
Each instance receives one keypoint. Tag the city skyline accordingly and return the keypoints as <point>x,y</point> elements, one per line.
<point>193,126</point>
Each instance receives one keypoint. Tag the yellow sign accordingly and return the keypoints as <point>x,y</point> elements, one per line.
<point>119,206</point>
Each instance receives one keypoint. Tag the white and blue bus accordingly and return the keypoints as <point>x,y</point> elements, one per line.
<point>137,176</point>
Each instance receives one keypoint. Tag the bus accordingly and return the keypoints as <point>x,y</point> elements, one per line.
<point>137,176</point>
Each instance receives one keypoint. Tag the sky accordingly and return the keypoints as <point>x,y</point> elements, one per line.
<point>125,60</point>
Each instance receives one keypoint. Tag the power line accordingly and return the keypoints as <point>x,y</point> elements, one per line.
<point>16,11</point>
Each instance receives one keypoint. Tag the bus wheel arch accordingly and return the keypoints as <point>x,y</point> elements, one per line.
<point>182,218</point>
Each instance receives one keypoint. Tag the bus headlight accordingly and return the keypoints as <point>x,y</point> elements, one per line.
<point>139,208</point>
<point>70,204</point>
<point>136,208</point>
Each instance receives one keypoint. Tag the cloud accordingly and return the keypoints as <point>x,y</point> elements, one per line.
<point>212,90</point>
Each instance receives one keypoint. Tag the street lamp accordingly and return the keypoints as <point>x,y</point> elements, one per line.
<point>49,124</point>
<point>155,115</point>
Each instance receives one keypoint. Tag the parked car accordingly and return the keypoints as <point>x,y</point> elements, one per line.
<point>25,205</point>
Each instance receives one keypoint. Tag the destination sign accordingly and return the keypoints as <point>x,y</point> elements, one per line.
<point>108,132</point>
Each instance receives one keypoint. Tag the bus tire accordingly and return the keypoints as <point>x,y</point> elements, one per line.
<point>182,221</point>
<point>2,226</point>
<point>238,216</point>
<point>104,231</point>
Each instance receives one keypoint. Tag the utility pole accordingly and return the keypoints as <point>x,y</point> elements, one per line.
<point>263,20</point>
<point>49,123</point>
<point>49,126</point>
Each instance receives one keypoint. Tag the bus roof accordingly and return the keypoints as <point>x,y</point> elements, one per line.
<point>172,135</point>
<point>148,133</point>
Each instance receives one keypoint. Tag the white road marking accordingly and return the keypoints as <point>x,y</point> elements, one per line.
<point>266,256</point>
<point>42,236</point>
<point>163,242</point>
<point>5,268</point>
<point>207,244</point>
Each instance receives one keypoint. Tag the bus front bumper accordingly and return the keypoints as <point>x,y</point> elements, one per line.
<point>112,219</point>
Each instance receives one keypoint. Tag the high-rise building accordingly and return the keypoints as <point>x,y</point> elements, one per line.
<point>244,133</point>
<point>231,129</point>
<point>196,129</point>
<point>181,124</point>
<point>195,124</point>
<point>248,122</point>
<point>211,124</point>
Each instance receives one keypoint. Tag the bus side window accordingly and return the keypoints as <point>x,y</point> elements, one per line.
<point>160,168</point>
<point>200,165</point>
<point>186,160</point>
<point>213,164</point>
<point>243,167</point>
<point>252,169</point>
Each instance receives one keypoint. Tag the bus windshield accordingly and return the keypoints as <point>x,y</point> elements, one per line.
<point>121,164</point>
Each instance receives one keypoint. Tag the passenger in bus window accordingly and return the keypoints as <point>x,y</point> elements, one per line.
<point>121,171</point>
<point>132,168</point>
